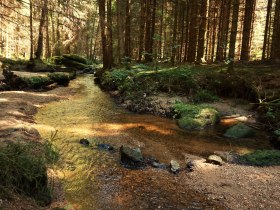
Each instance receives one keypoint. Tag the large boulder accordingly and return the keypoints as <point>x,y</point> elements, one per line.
<point>240,131</point>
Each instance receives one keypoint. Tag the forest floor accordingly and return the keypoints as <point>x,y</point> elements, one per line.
<point>230,186</point>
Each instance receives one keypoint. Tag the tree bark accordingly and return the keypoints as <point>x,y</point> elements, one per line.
<point>275,45</point>
<point>234,25</point>
<point>202,30</point>
<point>102,16</point>
<point>31,28</point>
<point>266,37</point>
<point>141,29</point>
<point>39,50</point>
<point>193,32</point>
<point>174,33</point>
<point>247,29</point>
<point>127,43</point>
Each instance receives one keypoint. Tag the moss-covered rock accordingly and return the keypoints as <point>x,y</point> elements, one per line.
<point>240,131</point>
<point>195,116</point>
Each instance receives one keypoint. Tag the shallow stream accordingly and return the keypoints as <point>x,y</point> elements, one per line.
<point>94,179</point>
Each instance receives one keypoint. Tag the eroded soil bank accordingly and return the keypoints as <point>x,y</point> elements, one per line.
<point>95,179</point>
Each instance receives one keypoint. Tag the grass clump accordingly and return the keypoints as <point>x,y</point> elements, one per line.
<point>262,158</point>
<point>195,116</point>
<point>23,169</point>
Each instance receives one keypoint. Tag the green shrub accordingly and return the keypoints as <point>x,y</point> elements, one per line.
<point>38,82</point>
<point>112,80</point>
<point>23,169</point>
<point>262,158</point>
<point>59,78</point>
<point>203,96</point>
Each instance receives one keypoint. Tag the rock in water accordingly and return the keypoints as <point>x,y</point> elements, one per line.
<point>215,159</point>
<point>106,147</point>
<point>240,131</point>
<point>84,142</point>
<point>174,166</point>
<point>131,157</point>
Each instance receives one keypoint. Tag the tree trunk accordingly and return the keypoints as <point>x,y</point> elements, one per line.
<point>48,48</point>
<point>223,30</point>
<point>247,29</point>
<point>127,29</point>
<point>148,50</point>
<point>141,29</point>
<point>266,37</point>
<point>275,45</point>
<point>202,30</point>
<point>39,50</point>
<point>174,33</point>
<point>101,5</point>
<point>110,34</point>
<point>193,32</point>
<point>187,30</point>
<point>234,25</point>
<point>31,29</point>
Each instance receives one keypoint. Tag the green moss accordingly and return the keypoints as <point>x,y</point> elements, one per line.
<point>38,82</point>
<point>76,58</point>
<point>195,116</point>
<point>60,78</point>
<point>262,158</point>
<point>240,131</point>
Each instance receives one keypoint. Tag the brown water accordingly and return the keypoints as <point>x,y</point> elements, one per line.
<point>94,179</point>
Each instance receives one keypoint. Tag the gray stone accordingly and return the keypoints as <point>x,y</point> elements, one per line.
<point>174,166</point>
<point>131,154</point>
<point>215,159</point>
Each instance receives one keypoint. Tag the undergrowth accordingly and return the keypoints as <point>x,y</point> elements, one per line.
<point>262,158</point>
<point>24,169</point>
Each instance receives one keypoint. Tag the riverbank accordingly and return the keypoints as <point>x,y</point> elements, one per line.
<point>17,126</point>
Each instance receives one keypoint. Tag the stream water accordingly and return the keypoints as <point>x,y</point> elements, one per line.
<point>94,179</point>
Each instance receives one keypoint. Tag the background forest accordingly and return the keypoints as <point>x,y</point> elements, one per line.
<point>164,30</point>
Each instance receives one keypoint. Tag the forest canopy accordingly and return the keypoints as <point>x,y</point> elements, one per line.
<point>142,30</point>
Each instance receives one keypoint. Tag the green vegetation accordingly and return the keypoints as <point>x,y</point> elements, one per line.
<point>38,82</point>
<point>59,78</point>
<point>23,169</point>
<point>71,61</point>
<point>262,158</point>
<point>240,131</point>
<point>204,96</point>
<point>195,116</point>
